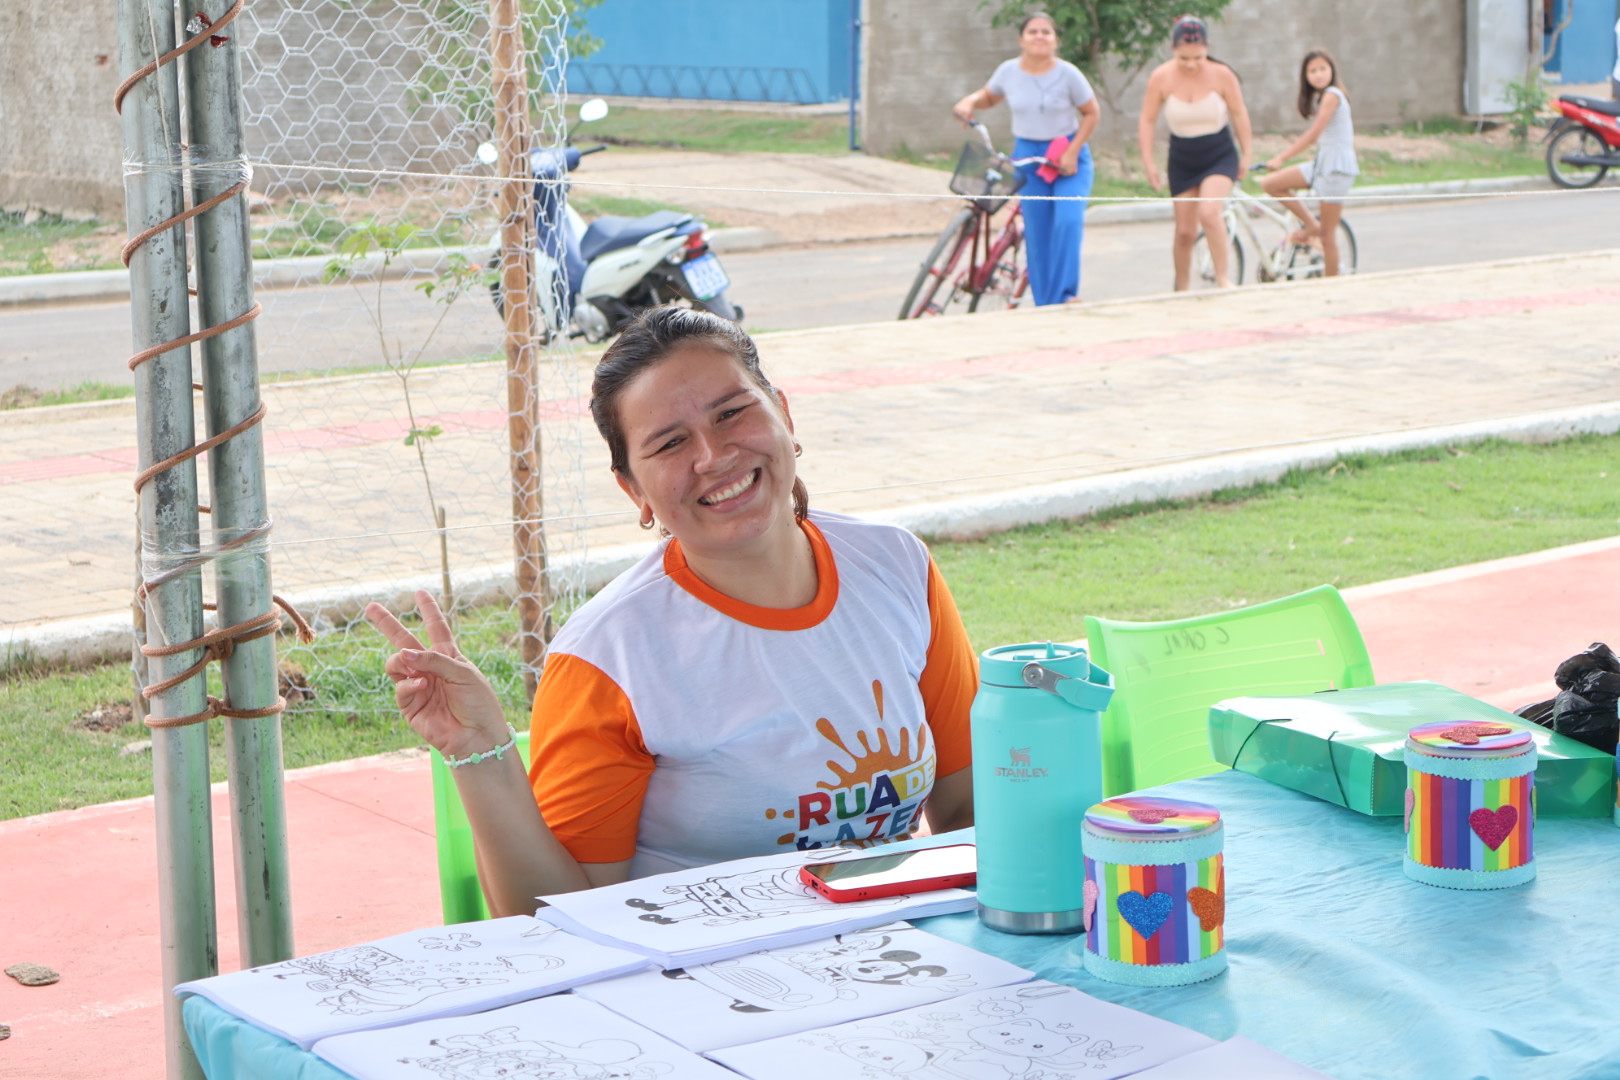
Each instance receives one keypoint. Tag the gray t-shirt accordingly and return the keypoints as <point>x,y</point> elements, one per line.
<point>1042,105</point>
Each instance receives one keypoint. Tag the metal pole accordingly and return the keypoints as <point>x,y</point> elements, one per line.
<point>854,68</point>
<point>230,377</point>
<point>510,69</point>
<point>154,193</point>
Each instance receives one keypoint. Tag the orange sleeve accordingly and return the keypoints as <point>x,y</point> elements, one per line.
<point>950,678</point>
<point>588,764</point>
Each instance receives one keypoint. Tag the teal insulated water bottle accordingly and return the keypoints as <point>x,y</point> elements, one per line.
<point>1037,768</point>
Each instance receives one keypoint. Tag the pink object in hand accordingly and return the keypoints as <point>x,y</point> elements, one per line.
<point>1054,150</point>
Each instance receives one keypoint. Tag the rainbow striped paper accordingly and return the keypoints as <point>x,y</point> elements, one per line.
<point>1454,823</point>
<point>1176,938</point>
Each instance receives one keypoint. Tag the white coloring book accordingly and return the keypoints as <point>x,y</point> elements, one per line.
<point>766,994</point>
<point>554,1038</point>
<point>439,971</point>
<point>716,912</point>
<point>1039,1029</point>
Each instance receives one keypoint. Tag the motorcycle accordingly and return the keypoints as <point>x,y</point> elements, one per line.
<point>613,268</point>
<point>1584,143</point>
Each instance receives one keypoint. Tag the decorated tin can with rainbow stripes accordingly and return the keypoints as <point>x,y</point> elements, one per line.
<point>1470,805</point>
<point>1155,891</point>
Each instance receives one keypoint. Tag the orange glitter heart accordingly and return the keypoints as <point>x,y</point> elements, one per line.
<point>1210,907</point>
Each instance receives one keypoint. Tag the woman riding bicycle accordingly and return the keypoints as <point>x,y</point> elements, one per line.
<point>1203,103</point>
<point>1332,174</point>
<point>1045,94</point>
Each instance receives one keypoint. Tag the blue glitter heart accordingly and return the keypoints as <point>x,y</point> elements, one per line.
<point>1145,913</point>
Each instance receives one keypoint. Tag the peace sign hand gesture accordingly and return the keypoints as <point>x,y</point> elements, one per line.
<point>443,696</point>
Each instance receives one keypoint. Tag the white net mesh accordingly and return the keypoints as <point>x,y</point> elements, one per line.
<point>372,245</point>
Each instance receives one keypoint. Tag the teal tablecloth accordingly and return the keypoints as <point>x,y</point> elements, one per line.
<point>1337,959</point>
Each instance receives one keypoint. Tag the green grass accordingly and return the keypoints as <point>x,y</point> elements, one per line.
<point>24,397</point>
<point>1362,520</point>
<point>707,129</point>
<point>27,249</point>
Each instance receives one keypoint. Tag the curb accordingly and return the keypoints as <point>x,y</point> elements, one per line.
<point>92,285</point>
<point>103,638</point>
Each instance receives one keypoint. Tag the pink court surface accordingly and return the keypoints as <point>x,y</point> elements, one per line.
<point>79,893</point>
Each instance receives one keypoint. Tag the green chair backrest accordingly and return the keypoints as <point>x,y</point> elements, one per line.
<point>1168,674</point>
<point>460,895</point>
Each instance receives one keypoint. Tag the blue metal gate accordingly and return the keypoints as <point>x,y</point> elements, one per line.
<point>790,51</point>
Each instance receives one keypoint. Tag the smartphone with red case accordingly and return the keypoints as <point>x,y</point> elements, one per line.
<point>923,870</point>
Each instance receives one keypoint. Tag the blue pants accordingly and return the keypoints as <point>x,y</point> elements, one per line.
<point>1053,231</point>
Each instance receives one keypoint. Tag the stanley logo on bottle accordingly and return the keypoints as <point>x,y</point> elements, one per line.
<point>1020,767</point>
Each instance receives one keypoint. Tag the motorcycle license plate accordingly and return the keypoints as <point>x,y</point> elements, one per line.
<point>705,277</point>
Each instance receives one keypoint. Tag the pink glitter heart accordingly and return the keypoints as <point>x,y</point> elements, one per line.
<point>1410,799</point>
<point>1493,827</point>
<point>1469,734</point>
<point>1091,891</point>
<point>1151,815</point>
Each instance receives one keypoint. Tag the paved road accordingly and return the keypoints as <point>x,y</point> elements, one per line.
<point>782,289</point>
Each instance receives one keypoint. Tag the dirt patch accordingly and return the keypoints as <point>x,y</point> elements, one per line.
<point>107,716</point>
<point>294,684</point>
<point>20,397</point>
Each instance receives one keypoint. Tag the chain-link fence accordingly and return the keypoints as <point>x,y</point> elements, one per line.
<point>376,223</point>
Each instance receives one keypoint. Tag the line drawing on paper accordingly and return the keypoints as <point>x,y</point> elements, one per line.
<point>778,982</point>
<point>364,980</point>
<point>995,1041</point>
<point>720,901</point>
<point>499,1052</point>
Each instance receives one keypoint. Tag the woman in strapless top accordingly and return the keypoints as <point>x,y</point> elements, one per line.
<point>1203,104</point>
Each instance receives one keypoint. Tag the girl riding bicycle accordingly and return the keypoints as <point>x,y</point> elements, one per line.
<point>1334,171</point>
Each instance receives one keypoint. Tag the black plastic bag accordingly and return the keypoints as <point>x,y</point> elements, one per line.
<point>1586,706</point>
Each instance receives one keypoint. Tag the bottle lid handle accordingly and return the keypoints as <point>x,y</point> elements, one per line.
<point>1081,693</point>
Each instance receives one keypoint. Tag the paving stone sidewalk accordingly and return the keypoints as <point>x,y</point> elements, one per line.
<point>893,417</point>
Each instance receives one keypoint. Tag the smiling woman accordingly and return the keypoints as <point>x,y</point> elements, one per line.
<point>770,678</point>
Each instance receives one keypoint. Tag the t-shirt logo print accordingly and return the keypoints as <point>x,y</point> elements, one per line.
<point>877,789</point>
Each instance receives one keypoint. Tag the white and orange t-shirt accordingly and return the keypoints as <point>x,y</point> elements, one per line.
<point>675,726</point>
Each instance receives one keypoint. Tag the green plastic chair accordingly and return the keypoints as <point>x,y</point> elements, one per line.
<point>1168,674</point>
<point>460,895</point>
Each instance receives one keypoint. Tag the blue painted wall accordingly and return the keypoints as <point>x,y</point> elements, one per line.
<point>1586,49</point>
<point>727,50</point>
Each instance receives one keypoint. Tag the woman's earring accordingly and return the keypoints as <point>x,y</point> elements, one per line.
<point>798,451</point>
<point>646,521</point>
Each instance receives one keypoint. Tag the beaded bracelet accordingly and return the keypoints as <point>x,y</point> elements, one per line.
<point>473,759</point>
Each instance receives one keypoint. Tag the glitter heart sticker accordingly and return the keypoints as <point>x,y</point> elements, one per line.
<point>1145,913</point>
<point>1411,798</point>
<point>1493,827</point>
<point>1470,734</point>
<point>1210,907</point>
<point>1090,907</point>
<point>1151,815</point>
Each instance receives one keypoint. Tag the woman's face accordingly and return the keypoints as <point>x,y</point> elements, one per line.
<point>1190,57</point>
<point>1319,73</point>
<point>710,452</point>
<point>1039,39</point>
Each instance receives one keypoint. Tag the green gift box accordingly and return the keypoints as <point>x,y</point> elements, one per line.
<point>1346,746</point>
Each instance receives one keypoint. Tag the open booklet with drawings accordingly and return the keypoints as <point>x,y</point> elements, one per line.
<point>1034,1030</point>
<point>441,971</point>
<point>765,994</point>
<point>711,913</point>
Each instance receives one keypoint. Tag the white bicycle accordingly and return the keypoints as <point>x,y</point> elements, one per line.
<point>1267,230</point>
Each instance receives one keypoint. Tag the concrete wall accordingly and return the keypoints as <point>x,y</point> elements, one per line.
<point>322,82</point>
<point>60,145</point>
<point>1398,58</point>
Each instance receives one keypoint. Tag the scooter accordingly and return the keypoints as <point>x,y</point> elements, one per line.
<point>590,280</point>
<point>1584,143</point>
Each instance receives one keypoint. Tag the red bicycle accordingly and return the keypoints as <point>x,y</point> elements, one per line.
<point>975,265</point>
